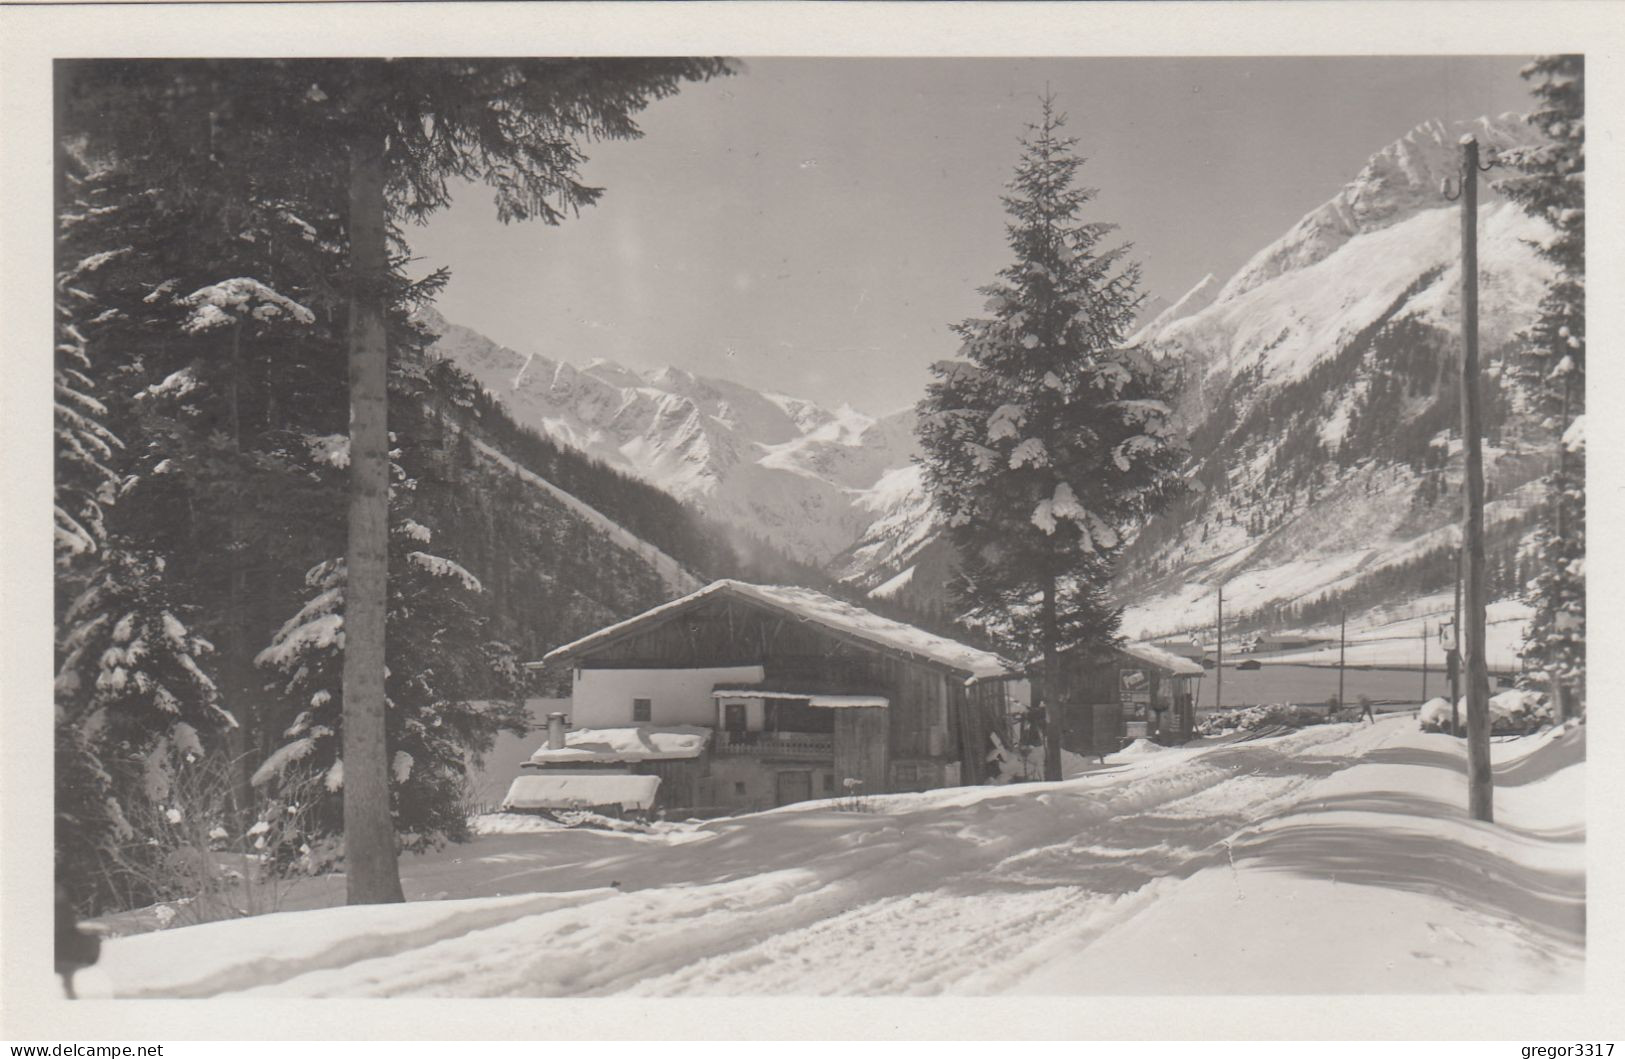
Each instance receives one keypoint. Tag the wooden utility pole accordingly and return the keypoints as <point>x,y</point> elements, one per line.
<point>1480,789</point>
<point>1424,662</point>
<point>1218,688</point>
<point>1455,654</point>
<point>1342,645</point>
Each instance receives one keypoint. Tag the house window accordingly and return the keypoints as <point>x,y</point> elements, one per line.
<point>829,782</point>
<point>739,787</point>
<point>733,717</point>
<point>642,709</point>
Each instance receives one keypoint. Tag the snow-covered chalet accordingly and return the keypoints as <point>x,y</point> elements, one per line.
<point>743,696</point>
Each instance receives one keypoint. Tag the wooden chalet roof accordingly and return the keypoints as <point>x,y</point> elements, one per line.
<point>1158,658</point>
<point>804,604</point>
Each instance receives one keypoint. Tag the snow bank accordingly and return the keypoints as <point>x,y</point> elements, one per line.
<point>242,953</point>
<point>1376,883</point>
<point>513,824</point>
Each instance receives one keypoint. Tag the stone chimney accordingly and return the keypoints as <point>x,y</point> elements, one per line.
<point>555,731</point>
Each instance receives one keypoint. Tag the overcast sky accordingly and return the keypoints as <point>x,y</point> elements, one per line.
<point>813,226</point>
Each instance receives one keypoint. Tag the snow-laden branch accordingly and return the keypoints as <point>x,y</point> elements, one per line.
<point>232,300</point>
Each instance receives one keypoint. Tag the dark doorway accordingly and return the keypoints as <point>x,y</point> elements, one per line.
<point>794,787</point>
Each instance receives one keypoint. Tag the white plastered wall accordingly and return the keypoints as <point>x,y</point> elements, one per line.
<point>602,698</point>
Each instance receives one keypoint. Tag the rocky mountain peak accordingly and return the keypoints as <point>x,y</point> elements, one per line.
<point>1396,183</point>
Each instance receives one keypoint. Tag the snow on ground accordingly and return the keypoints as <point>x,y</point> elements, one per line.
<point>1333,859</point>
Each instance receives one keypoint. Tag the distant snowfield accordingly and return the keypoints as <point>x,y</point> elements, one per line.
<point>1336,859</point>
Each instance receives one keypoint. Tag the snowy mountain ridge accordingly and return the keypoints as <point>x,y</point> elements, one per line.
<point>1398,182</point>
<point>776,467</point>
<point>1319,393</point>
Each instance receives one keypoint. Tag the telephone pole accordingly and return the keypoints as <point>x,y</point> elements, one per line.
<point>1480,788</point>
<point>1424,661</point>
<point>1455,654</point>
<point>1218,689</point>
<point>1342,643</point>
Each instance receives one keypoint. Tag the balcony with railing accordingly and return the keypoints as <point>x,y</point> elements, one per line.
<point>777,744</point>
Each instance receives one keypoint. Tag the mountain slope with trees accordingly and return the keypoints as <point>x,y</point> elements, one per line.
<point>1318,390</point>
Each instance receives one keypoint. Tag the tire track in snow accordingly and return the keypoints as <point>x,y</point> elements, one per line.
<point>975,932</point>
<point>918,897</point>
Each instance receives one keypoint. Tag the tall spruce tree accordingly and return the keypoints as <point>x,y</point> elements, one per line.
<point>1550,371</point>
<point>358,147</point>
<point>409,127</point>
<point>1045,443</point>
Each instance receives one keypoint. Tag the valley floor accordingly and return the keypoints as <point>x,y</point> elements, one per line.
<point>1336,859</point>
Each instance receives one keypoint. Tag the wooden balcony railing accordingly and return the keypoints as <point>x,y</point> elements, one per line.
<point>810,744</point>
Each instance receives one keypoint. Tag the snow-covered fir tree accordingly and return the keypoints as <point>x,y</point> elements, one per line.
<point>90,822</point>
<point>450,690</point>
<point>1045,443</point>
<point>1551,374</point>
<point>132,697</point>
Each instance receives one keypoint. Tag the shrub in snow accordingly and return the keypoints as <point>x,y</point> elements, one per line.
<point>189,853</point>
<point>1434,716</point>
<point>1512,712</point>
<point>1254,718</point>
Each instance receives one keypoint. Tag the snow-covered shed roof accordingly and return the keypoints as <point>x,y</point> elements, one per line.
<point>807,605</point>
<point>831,701</point>
<point>1152,655</point>
<point>581,790</point>
<point>641,743</point>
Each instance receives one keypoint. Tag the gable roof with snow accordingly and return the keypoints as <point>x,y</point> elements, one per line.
<point>634,743</point>
<point>806,605</point>
<point>581,790</point>
<point>1152,655</point>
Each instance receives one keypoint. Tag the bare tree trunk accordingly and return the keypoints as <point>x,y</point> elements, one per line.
<point>1052,687</point>
<point>372,873</point>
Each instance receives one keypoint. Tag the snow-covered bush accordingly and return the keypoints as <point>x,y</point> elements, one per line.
<point>1434,716</point>
<point>1253,718</point>
<point>188,854</point>
<point>1513,712</point>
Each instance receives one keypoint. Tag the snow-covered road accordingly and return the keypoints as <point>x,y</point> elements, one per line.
<point>1332,859</point>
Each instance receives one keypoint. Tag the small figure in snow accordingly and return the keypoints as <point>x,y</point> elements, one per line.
<point>1365,709</point>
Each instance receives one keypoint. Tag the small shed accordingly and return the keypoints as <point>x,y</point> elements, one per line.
<point>1112,696</point>
<point>673,755</point>
<point>597,791</point>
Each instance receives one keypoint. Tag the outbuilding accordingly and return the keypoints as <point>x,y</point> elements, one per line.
<point>1112,696</point>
